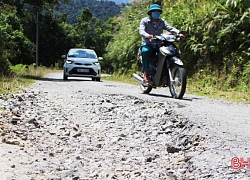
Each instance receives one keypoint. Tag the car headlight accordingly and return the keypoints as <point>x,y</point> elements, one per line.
<point>69,61</point>
<point>96,63</point>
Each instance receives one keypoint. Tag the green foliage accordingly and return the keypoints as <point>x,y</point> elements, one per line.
<point>15,46</point>
<point>91,33</point>
<point>44,4</point>
<point>18,30</point>
<point>18,69</point>
<point>54,38</point>
<point>123,48</point>
<point>227,41</point>
<point>217,39</point>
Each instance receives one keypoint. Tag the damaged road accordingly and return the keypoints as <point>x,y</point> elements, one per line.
<point>81,129</point>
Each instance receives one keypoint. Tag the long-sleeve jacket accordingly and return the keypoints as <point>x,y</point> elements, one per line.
<point>147,27</point>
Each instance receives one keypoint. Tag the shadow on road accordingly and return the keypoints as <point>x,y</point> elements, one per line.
<point>68,80</point>
<point>166,96</point>
<point>58,79</point>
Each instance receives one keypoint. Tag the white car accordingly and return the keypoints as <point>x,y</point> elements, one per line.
<point>82,63</point>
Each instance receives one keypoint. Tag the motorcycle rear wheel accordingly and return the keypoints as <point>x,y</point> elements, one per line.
<point>178,86</point>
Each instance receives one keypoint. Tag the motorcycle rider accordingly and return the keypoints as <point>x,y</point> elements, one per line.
<point>149,27</point>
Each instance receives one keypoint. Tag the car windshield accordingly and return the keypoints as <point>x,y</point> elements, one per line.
<point>82,54</point>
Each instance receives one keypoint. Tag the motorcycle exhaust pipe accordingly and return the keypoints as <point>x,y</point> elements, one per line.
<point>137,78</point>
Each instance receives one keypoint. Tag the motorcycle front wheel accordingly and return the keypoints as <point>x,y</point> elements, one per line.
<point>177,87</point>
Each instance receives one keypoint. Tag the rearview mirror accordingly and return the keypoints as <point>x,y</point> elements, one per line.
<point>100,58</point>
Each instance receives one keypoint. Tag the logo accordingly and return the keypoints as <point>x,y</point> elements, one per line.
<point>240,163</point>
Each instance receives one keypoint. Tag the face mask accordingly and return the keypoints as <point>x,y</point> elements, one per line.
<point>155,15</point>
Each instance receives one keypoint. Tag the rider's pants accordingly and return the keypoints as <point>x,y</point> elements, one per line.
<point>146,52</point>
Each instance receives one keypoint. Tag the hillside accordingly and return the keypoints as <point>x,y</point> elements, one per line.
<point>100,9</point>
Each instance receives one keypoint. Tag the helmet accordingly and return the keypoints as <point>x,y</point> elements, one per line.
<point>154,7</point>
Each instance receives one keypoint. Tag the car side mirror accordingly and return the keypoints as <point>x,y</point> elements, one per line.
<point>63,57</point>
<point>100,58</point>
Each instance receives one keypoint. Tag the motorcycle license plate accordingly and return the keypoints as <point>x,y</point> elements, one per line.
<point>82,70</point>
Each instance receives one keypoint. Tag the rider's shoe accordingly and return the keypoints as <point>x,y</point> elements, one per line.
<point>146,78</point>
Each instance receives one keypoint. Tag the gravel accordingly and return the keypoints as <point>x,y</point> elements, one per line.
<point>81,129</point>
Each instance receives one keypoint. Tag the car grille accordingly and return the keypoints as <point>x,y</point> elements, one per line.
<point>91,72</point>
<point>86,64</point>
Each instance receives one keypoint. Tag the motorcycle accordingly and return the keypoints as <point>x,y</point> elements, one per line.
<point>165,68</point>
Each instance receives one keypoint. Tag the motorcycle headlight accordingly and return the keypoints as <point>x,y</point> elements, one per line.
<point>164,51</point>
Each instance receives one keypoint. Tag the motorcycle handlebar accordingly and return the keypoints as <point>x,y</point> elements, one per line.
<point>162,38</point>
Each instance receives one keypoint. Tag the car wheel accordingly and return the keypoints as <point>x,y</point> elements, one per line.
<point>65,77</point>
<point>96,79</point>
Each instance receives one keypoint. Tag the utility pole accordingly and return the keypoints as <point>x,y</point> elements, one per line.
<point>37,36</point>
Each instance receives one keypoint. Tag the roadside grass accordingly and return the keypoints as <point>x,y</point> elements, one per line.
<point>124,78</point>
<point>212,92</point>
<point>193,87</point>
<point>23,76</point>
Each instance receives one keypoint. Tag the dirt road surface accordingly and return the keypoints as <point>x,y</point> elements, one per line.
<point>81,129</point>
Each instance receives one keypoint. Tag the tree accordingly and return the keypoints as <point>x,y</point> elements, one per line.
<point>16,47</point>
